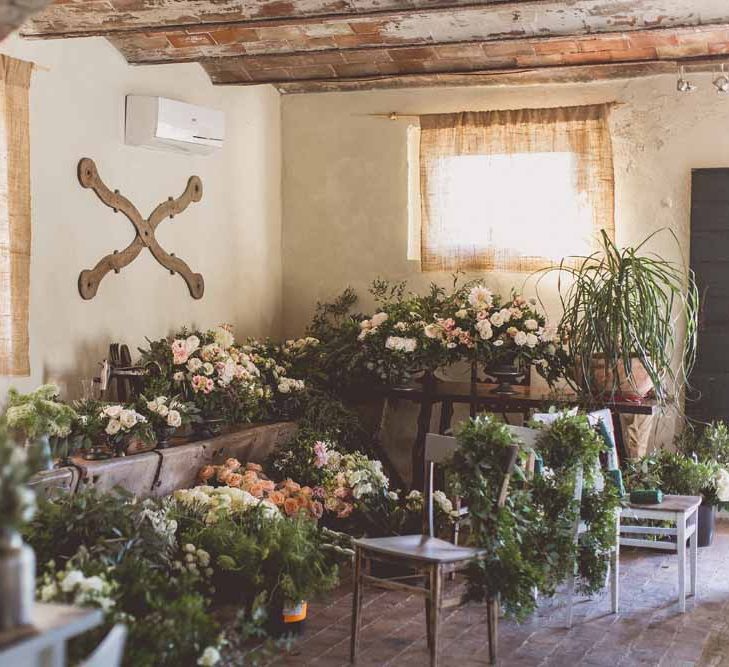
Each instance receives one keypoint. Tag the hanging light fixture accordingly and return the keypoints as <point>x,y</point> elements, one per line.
<point>683,85</point>
<point>721,81</point>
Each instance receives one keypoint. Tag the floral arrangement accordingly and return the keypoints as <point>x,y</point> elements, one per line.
<point>17,500</point>
<point>207,369</point>
<point>39,413</point>
<point>215,503</point>
<point>122,423</point>
<point>71,586</point>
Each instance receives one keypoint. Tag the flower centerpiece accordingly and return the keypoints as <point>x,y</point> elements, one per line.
<point>207,369</point>
<point>122,424</point>
<point>17,560</point>
<point>166,415</point>
<point>38,418</point>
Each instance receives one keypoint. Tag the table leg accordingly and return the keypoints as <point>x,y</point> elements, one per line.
<point>681,547</point>
<point>418,456</point>
<point>694,554</point>
<point>619,439</point>
<point>446,416</point>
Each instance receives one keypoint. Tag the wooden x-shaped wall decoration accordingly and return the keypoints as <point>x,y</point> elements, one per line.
<point>88,281</point>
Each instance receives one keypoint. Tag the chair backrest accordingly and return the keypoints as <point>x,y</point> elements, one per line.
<point>111,650</point>
<point>439,448</point>
<point>603,420</point>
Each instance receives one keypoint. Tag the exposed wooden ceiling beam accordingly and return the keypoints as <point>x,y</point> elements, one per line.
<point>530,76</point>
<point>501,18</point>
<point>628,47</point>
<point>13,13</point>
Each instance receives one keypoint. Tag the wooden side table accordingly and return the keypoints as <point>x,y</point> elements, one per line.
<point>53,626</point>
<point>679,510</point>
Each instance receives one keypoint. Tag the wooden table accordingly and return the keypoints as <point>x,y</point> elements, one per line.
<point>45,645</point>
<point>480,397</point>
<point>682,511</point>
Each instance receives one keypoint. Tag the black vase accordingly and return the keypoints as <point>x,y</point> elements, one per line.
<point>706,524</point>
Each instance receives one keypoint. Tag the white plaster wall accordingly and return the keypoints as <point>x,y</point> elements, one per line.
<point>232,237</point>
<point>345,177</point>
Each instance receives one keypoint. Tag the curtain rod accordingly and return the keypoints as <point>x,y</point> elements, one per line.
<point>396,115</point>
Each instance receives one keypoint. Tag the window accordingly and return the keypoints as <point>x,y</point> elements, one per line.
<point>14,215</point>
<point>512,190</point>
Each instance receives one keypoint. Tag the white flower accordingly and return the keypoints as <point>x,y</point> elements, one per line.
<point>440,499</point>
<point>551,350</point>
<point>224,337</point>
<point>484,329</point>
<point>401,344</point>
<point>113,427</point>
<point>400,326</point>
<point>210,657</point>
<point>498,343</point>
<point>505,314</point>
<point>190,548</point>
<point>208,368</point>
<point>174,419</point>
<point>95,584</point>
<point>113,411</point>
<point>520,338</point>
<point>152,406</point>
<point>128,418</point>
<point>722,485</point>
<point>531,325</point>
<point>194,365</point>
<point>163,410</point>
<point>432,330</point>
<point>531,340</point>
<point>497,319</point>
<point>71,580</point>
<point>462,313</point>
<point>378,318</point>
<point>179,376</point>
<point>48,592</point>
<point>191,344</point>
<point>480,297</point>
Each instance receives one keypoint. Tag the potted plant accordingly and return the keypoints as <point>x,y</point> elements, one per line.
<point>38,417</point>
<point>621,311</point>
<point>17,560</point>
<point>165,416</point>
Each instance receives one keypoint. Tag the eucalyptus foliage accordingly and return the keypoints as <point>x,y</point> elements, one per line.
<point>624,304</point>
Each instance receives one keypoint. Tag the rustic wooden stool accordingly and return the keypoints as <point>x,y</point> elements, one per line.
<point>679,510</point>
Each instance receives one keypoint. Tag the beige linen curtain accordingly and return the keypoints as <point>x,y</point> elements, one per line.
<point>582,131</point>
<point>14,215</point>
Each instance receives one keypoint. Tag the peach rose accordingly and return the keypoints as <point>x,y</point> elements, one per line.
<point>267,485</point>
<point>232,463</point>
<point>277,498</point>
<point>250,476</point>
<point>206,472</point>
<point>256,490</point>
<point>291,485</point>
<point>303,501</point>
<point>254,466</point>
<point>235,480</point>
<point>306,490</point>
<point>291,506</point>
<point>224,475</point>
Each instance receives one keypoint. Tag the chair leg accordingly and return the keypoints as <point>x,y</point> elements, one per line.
<point>681,546</point>
<point>571,596</point>
<point>492,619</point>
<point>356,606</point>
<point>693,558</point>
<point>615,571</point>
<point>436,588</point>
<point>428,609</point>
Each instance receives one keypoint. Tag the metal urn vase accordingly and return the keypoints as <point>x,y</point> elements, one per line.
<point>17,581</point>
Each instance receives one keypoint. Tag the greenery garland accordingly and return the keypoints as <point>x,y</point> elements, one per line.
<point>528,543</point>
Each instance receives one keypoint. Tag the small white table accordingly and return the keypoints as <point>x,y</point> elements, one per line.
<point>679,510</point>
<point>45,646</point>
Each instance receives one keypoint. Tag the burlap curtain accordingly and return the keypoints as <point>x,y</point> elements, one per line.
<point>580,131</point>
<point>14,215</point>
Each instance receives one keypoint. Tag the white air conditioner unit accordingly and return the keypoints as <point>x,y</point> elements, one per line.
<point>163,124</point>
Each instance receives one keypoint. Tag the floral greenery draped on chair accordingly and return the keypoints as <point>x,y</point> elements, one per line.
<point>456,224</point>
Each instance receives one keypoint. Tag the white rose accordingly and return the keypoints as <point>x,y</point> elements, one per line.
<point>163,410</point>
<point>210,657</point>
<point>520,338</point>
<point>532,325</point>
<point>128,418</point>
<point>174,419</point>
<point>191,344</point>
<point>194,364</point>
<point>113,427</point>
<point>152,406</point>
<point>497,319</point>
<point>378,318</point>
<point>224,337</point>
<point>531,340</point>
<point>484,329</point>
<point>208,368</point>
<point>505,314</point>
<point>113,411</point>
<point>432,330</point>
<point>95,584</point>
<point>722,485</point>
<point>71,580</point>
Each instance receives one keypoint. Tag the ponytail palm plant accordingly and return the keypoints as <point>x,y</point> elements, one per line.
<point>622,310</point>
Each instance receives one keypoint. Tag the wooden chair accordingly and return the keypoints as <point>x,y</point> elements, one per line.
<point>111,650</point>
<point>433,559</point>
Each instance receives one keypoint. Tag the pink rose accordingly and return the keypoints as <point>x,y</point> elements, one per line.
<point>179,352</point>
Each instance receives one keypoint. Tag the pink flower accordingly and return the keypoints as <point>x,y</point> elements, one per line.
<point>179,352</point>
<point>201,383</point>
<point>321,454</point>
<point>318,492</point>
<point>448,324</point>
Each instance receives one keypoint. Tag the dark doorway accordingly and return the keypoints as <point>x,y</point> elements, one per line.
<point>710,261</point>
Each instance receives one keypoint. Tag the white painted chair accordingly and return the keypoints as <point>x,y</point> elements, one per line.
<point>111,650</point>
<point>579,527</point>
